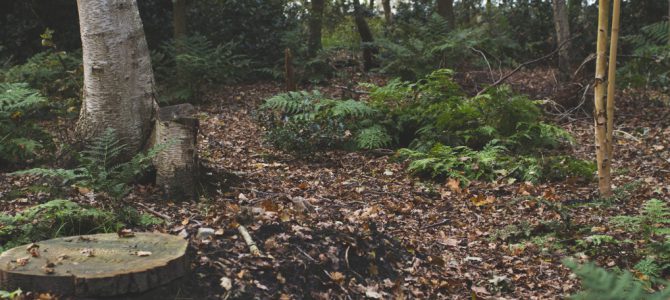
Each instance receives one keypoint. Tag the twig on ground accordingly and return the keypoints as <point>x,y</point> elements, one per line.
<point>155,213</point>
<point>443,222</point>
<point>250,242</point>
<point>306,254</point>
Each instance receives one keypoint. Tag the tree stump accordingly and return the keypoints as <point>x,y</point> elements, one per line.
<point>177,165</point>
<point>99,265</point>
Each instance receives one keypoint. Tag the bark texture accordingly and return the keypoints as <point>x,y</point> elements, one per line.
<point>118,79</point>
<point>445,8</point>
<point>562,27</point>
<point>600,113</point>
<point>177,165</point>
<point>99,265</point>
<point>315,25</point>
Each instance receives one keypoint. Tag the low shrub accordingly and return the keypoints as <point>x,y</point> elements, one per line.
<point>447,133</point>
<point>184,67</point>
<point>56,74</point>
<point>20,137</point>
<point>99,168</point>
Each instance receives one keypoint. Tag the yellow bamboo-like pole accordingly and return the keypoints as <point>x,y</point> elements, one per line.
<point>600,114</point>
<point>611,79</point>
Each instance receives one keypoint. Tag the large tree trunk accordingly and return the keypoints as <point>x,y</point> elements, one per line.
<point>388,14</point>
<point>315,24</point>
<point>369,50</point>
<point>445,8</point>
<point>118,80</point>
<point>562,27</point>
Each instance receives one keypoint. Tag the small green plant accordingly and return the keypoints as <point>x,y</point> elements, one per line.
<point>600,284</point>
<point>20,138</point>
<point>52,219</point>
<point>99,168</point>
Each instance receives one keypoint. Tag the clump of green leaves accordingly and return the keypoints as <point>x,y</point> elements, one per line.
<point>20,137</point>
<point>52,219</point>
<point>303,122</point>
<point>99,168</point>
<point>600,284</point>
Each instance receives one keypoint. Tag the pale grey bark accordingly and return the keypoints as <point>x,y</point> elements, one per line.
<point>118,79</point>
<point>177,165</point>
<point>562,26</point>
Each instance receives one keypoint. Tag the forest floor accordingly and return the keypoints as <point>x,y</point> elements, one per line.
<point>354,225</point>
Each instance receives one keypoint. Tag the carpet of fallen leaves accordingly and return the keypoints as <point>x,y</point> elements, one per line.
<point>356,225</point>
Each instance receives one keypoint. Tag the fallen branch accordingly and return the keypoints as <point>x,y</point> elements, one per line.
<point>250,242</point>
<point>518,68</point>
<point>155,213</point>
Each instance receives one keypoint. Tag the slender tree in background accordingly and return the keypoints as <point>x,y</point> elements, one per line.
<point>315,25</point>
<point>600,114</point>
<point>562,26</point>
<point>372,5</point>
<point>388,14</point>
<point>604,107</point>
<point>178,18</point>
<point>445,8</point>
<point>611,78</point>
<point>367,39</point>
<point>118,79</point>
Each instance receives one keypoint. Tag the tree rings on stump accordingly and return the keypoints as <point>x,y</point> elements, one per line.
<point>98,265</point>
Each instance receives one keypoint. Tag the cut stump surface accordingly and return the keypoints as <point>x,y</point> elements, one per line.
<point>96,265</point>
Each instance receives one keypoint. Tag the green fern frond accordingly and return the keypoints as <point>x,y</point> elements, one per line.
<point>374,137</point>
<point>600,284</point>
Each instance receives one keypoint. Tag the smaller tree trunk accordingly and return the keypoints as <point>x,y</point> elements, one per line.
<point>315,25</point>
<point>372,5</point>
<point>445,8</point>
<point>179,18</point>
<point>611,78</point>
<point>367,40</point>
<point>562,26</point>
<point>388,14</point>
<point>177,165</point>
<point>600,114</point>
<point>289,74</point>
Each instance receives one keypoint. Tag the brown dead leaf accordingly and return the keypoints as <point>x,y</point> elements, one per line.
<point>481,200</point>
<point>454,185</point>
<point>337,277</point>
<point>125,233</point>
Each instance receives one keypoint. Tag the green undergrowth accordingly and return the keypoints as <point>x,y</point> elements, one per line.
<point>21,138</point>
<point>638,242</point>
<point>99,167</point>
<point>65,218</point>
<point>440,130</point>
